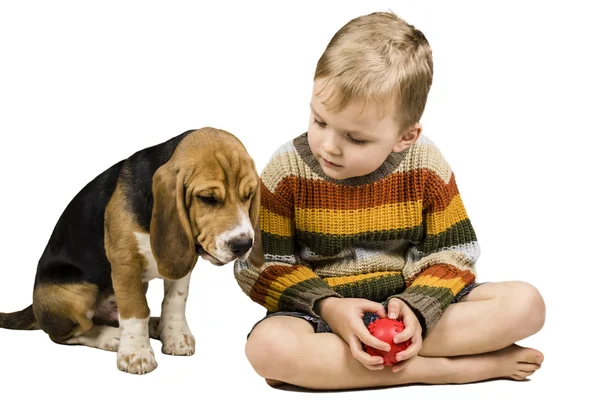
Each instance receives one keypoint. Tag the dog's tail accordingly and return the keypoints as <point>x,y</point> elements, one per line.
<point>19,320</point>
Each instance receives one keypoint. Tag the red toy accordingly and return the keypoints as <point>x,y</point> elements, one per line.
<point>385,329</point>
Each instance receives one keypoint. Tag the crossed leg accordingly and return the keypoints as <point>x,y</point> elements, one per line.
<point>473,341</point>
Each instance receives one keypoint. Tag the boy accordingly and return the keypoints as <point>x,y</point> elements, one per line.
<point>361,218</point>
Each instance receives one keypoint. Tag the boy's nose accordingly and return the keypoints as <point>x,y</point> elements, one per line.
<point>330,145</point>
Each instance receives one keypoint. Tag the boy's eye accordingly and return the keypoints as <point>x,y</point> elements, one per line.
<point>356,141</point>
<point>320,123</point>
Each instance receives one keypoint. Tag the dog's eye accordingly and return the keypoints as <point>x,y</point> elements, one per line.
<point>209,200</point>
<point>249,196</point>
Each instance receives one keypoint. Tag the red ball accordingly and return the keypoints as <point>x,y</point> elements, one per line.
<point>385,329</point>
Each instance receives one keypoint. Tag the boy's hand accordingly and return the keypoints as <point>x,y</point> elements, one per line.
<point>344,317</point>
<point>397,309</point>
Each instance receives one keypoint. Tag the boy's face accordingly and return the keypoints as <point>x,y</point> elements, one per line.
<point>354,141</point>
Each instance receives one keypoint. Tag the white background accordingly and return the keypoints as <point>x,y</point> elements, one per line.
<point>513,108</point>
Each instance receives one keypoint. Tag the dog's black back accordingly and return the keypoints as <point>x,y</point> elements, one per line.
<point>75,251</point>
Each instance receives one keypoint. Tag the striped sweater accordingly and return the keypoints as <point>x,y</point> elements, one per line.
<point>401,231</point>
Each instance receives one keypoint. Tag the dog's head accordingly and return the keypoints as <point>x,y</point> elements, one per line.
<point>206,203</point>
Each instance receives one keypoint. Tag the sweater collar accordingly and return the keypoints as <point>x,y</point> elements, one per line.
<point>389,165</point>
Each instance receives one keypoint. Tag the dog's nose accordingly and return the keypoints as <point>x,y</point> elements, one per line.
<point>240,246</point>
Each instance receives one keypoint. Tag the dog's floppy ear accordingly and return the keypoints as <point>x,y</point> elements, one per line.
<point>256,257</point>
<point>170,231</point>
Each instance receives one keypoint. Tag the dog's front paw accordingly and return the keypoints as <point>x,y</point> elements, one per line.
<point>177,340</point>
<point>139,361</point>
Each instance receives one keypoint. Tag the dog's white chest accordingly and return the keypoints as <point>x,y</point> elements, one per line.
<point>151,268</point>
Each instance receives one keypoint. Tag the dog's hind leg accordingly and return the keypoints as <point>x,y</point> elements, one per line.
<point>108,337</point>
<point>99,336</point>
<point>65,310</point>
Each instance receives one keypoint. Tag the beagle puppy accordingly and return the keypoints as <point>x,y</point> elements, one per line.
<point>148,216</point>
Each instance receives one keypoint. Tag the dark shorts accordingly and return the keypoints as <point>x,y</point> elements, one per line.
<point>320,326</point>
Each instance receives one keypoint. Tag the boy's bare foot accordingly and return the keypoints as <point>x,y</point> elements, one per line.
<point>513,362</point>
<point>527,361</point>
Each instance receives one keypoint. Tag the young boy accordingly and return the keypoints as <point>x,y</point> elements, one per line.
<point>361,218</point>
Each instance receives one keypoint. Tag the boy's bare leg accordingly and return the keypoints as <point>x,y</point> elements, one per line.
<point>491,317</point>
<point>286,349</point>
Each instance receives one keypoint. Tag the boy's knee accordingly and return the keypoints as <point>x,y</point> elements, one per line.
<point>530,308</point>
<point>270,352</point>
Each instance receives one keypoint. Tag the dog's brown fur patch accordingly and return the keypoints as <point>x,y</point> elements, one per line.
<point>62,310</point>
<point>127,264</point>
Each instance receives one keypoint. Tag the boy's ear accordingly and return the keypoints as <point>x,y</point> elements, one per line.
<point>408,137</point>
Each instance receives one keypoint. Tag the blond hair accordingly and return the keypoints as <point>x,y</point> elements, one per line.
<point>378,57</point>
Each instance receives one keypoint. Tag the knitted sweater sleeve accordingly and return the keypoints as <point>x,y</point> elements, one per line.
<point>280,282</point>
<point>443,263</point>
